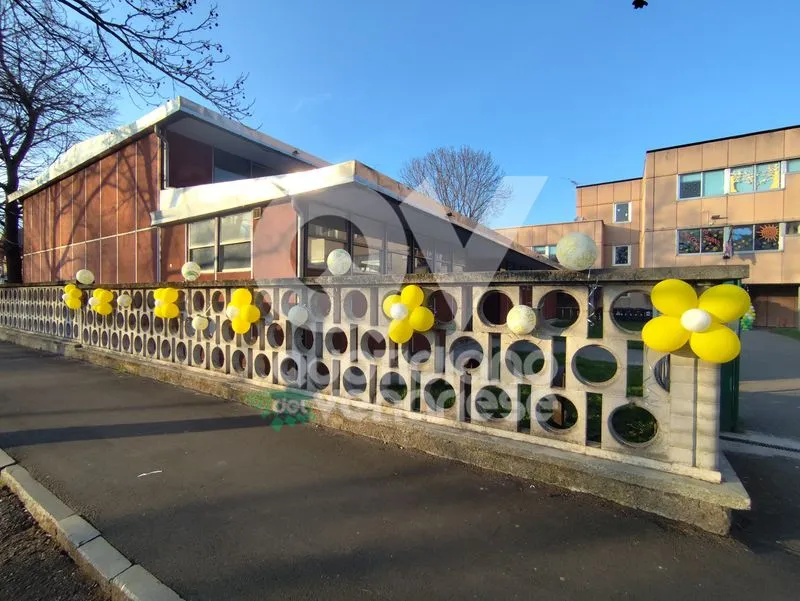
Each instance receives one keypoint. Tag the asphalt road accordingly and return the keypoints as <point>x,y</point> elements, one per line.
<point>237,510</point>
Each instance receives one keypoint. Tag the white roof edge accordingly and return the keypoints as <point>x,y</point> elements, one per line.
<point>84,152</point>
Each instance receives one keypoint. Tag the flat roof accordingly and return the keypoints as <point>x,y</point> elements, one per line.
<point>752,133</point>
<point>518,227</point>
<point>613,181</point>
<point>87,151</point>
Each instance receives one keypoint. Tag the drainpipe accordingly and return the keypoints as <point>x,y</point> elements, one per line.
<point>164,148</point>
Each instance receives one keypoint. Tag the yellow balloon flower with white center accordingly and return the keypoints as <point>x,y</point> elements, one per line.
<point>698,321</point>
<point>166,303</point>
<point>407,314</point>
<point>241,311</point>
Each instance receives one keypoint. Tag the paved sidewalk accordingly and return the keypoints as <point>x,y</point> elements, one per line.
<point>769,401</point>
<point>219,506</point>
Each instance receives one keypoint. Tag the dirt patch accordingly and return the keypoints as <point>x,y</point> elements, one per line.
<point>32,566</point>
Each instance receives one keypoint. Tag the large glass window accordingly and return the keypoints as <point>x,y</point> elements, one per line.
<point>768,176</point>
<point>793,166</point>
<point>325,234</point>
<point>367,246</point>
<point>222,244</point>
<point>714,183</point>
<point>742,238</point>
<point>743,179</point>
<point>396,251</point>
<point>735,180</point>
<point>229,167</point>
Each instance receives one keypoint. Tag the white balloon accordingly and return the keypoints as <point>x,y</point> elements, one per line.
<point>158,302</point>
<point>398,311</point>
<point>124,300</point>
<point>576,251</point>
<point>297,315</point>
<point>93,302</point>
<point>339,261</point>
<point>521,319</point>
<point>190,271</point>
<point>85,277</point>
<point>199,323</point>
<point>696,320</point>
<point>64,296</point>
<point>232,312</point>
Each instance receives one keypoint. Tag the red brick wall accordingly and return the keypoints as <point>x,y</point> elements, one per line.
<point>97,218</point>
<point>190,162</point>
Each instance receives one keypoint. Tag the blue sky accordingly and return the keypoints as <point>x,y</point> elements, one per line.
<point>570,90</point>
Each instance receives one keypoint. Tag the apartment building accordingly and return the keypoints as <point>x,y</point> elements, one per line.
<point>727,201</point>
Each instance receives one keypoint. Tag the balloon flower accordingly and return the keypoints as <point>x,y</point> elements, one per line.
<point>100,302</point>
<point>407,314</point>
<point>72,297</point>
<point>166,299</point>
<point>243,309</point>
<point>700,322</point>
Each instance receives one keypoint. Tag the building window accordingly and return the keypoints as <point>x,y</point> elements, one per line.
<point>793,166</point>
<point>229,167</point>
<point>367,246</point>
<point>734,180</point>
<point>622,212</point>
<point>548,251</point>
<point>622,255</point>
<point>234,241</point>
<point>325,234</point>
<point>701,240</point>
<point>696,185</point>
<point>742,238</point>
<point>202,243</point>
<point>222,244</point>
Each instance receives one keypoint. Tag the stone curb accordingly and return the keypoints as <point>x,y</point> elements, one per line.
<point>708,506</point>
<point>112,571</point>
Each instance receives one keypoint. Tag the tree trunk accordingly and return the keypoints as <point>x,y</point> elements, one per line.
<point>11,243</point>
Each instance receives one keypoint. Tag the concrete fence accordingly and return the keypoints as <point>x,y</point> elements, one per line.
<point>580,382</point>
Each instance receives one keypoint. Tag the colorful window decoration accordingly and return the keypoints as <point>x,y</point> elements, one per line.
<point>742,238</point>
<point>689,241</point>
<point>767,236</point>
<point>713,239</point>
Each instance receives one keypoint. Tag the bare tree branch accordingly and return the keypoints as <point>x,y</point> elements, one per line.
<point>465,180</point>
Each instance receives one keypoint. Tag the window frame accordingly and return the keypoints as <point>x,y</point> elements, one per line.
<point>217,246</point>
<point>630,211</point>
<point>614,255</point>
<point>727,191</point>
<point>190,247</point>
<point>727,236</point>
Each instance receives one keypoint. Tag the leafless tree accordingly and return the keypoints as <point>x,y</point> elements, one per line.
<point>465,180</point>
<point>63,61</point>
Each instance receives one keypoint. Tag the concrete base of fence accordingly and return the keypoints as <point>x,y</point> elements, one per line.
<point>706,505</point>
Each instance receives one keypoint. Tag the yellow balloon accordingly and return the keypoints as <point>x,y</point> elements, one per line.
<point>421,319</point>
<point>76,293</point>
<point>73,303</point>
<point>169,295</point>
<point>250,313</point>
<point>241,297</point>
<point>725,302</point>
<point>240,326</point>
<point>389,301</point>
<point>103,309</point>
<point>158,294</point>
<point>69,288</point>
<point>665,334</point>
<point>400,331</point>
<point>412,295</point>
<point>97,293</point>
<point>159,311</point>
<point>718,344</point>
<point>673,297</point>
<point>107,296</point>
<point>169,310</point>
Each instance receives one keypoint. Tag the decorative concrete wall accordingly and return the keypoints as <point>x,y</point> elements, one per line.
<point>468,372</point>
